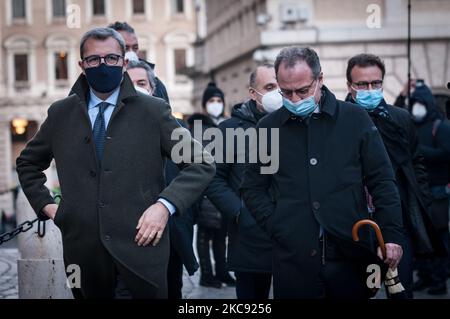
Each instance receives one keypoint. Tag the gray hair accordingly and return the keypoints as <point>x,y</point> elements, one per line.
<point>143,65</point>
<point>292,55</point>
<point>253,75</point>
<point>102,34</point>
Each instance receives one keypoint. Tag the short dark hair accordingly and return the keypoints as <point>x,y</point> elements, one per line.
<point>252,80</point>
<point>143,65</point>
<point>102,34</point>
<point>364,60</point>
<point>121,26</point>
<point>292,55</point>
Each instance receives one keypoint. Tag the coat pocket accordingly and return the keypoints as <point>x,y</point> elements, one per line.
<point>59,214</point>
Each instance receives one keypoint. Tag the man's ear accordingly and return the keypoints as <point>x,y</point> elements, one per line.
<point>252,93</point>
<point>80,64</point>
<point>349,87</point>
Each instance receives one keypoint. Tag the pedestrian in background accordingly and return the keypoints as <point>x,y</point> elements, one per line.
<point>211,224</point>
<point>434,143</point>
<point>365,76</point>
<point>132,53</point>
<point>249,247</point>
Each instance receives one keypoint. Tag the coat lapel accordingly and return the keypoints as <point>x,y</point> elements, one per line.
<point>126,90</point>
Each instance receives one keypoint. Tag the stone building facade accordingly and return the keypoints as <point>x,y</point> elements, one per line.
<point>39,56</point>
<point>242,33</point>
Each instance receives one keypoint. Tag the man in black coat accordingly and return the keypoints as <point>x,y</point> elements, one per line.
<point>365,75</point>
<point>132,45</point>
<point>434,143</point>
<point>328,151</point>
<point>109,144</point>
<point>249,247</point>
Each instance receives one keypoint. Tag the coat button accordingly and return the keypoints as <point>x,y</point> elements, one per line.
<point>107,238</point>
<point>93,173</point>
<point>316,205</point>
<point>313,253</point>
<point>313,161</point>
<point>102,205</point>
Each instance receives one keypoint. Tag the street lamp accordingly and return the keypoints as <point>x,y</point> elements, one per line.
<point>20,126</point>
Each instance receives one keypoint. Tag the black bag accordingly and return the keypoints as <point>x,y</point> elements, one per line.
<point>208,215</point>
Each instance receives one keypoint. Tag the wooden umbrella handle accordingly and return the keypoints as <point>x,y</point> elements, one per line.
<point>377,231</point>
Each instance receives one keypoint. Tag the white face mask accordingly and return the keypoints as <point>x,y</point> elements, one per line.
<point>271,101</point>
<point>419,111</point>
<point>142,90</point>
<point>215,109</point>
<point>131,56</point>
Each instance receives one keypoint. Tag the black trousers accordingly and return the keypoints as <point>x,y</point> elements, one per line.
<point>253,285</point>
<point>174,275</point>
<point>112,280</point>
<point>218,237</point>
<point>436,270</point>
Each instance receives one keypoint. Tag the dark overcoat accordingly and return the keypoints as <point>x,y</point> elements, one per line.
<point>249,247</point>
<point>101,204</point>
<point>324,163</point>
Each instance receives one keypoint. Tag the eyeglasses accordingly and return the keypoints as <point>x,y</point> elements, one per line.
<point>301,93</point>
<point>377,84</point>
<point>109,59</point>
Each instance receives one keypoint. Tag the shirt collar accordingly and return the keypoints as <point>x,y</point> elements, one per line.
<point>111,100</point>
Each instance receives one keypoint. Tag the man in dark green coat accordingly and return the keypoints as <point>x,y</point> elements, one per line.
<point>109,143</point>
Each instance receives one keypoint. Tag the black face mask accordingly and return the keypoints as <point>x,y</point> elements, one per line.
<point>104,78</point>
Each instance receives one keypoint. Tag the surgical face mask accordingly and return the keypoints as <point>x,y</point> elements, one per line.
<point>215,109</point>
<point>271,101</point>
<point>104,78</point>
<point>302,108</point>
<point>142,90</point>
<point>419,111</point>
<point>131,56</point>
<point>369,99</point>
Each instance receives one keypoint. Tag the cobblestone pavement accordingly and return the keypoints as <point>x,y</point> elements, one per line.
<point>191,287</point>
<point>8,273</point>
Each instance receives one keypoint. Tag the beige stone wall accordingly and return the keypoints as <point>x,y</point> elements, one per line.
<point>337,29</point>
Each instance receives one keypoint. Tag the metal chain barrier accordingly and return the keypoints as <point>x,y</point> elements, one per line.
<point>25,226</point>
<point>22,228</point>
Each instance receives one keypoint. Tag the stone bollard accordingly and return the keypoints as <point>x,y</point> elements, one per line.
<point>40,266</point>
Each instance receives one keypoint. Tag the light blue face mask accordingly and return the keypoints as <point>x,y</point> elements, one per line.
<point>302,108</point>
<point>369,99</point>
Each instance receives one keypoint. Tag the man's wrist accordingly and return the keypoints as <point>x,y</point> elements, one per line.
<point>169,206</point>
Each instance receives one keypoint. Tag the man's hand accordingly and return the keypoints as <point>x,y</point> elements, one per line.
<point>394,253</point>
<point>151,225</point>
<point>50,210</point>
